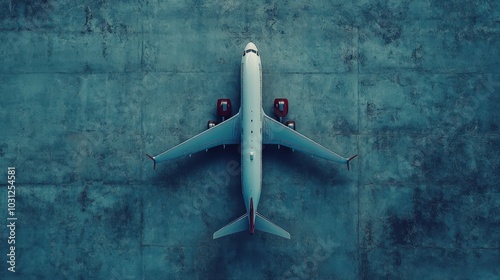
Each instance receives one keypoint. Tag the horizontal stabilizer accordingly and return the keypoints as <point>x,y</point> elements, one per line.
<point>264,224</point>
<point>235,226</point>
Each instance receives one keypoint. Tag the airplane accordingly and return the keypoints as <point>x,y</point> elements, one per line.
<point>251,128</point>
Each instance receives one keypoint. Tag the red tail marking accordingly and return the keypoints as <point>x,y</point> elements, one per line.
<point>252,225</point>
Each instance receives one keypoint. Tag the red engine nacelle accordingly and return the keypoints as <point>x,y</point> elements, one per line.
<point>224,108</point>
<point>281,108</point>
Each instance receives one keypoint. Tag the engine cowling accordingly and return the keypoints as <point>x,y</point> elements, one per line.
<point>290,124</point>
<point>224,108</point>
<point>211,124</point>
<point>281,108</point>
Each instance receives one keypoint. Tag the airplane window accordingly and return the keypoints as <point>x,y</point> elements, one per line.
<point>244,53</point>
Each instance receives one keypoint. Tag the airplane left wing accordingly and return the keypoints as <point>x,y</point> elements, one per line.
<point>225,133</point>
<point>277,133</point>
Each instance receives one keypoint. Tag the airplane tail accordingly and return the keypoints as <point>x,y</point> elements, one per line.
<point>242,224</point>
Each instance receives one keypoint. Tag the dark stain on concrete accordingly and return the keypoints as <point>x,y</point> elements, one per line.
<point>31,9</point>
<point>120,218</point>
<point>84,199</point>
<point>402,230</point>
<point>3,147</point>
<point>88,17</point>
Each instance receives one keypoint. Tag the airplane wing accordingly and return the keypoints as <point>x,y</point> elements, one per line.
<point>277,133</point>
<point>225,133</point>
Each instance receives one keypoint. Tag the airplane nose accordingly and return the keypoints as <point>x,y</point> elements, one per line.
<point>251,46</point>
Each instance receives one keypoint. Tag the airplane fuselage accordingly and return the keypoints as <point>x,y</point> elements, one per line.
<point>251,135</point>
<point>251,128</point>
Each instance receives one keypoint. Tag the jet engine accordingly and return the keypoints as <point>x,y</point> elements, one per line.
<point>281,111</point>
<point>211,124</point>
<point>281,108</point>
<point>290,124</point>
<point>223,110</point>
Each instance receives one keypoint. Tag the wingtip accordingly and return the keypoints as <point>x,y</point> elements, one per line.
<point>349,160</point>
<point>154,161</point>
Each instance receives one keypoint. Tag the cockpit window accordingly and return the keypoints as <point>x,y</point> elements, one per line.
<point>250,50</point>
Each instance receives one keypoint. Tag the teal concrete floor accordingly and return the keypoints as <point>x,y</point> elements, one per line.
<point>88,88</point>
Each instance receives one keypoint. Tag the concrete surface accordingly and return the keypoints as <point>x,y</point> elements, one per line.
<point>88,88</point>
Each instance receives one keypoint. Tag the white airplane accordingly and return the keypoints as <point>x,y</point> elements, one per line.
<point>251,128</point>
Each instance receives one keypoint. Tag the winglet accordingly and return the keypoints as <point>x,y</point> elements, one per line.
<point>350,160</point>
<point>154,164</point>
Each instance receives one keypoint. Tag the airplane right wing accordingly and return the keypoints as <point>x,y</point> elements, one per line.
<point>277,133</point>
<point>225,133</point>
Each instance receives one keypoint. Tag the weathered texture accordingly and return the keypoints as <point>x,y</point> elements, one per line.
<point>88,88</point>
